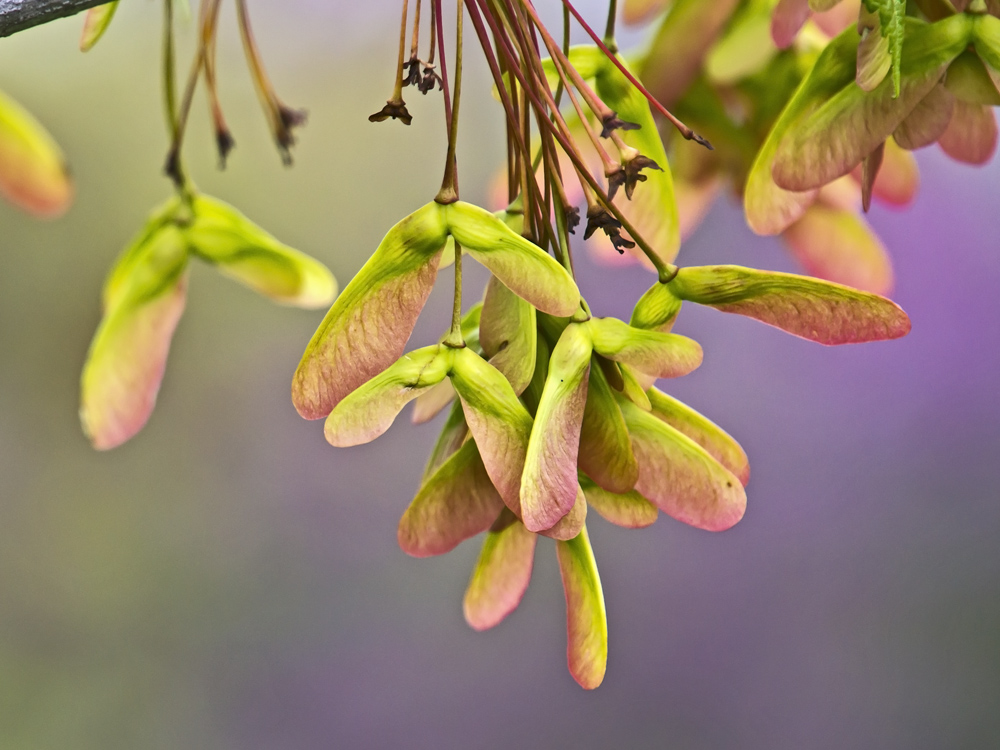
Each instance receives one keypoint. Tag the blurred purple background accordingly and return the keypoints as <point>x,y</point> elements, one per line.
<point>228,580</point>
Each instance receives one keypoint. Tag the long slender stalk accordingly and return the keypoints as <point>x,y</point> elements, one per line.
<point>565,47</point>
<point>397,90</point>
<point>665,270</point>
<point>589,95</point>
<point>415,39</point>
<point>439,22</point>
<point>609,29</point>
<point>169,70</point>
<point>685,131</point>
<point>449,185</point>
<point>281,118</point>
<point>454,338</point>
<point>513,113</point>
<point>209,18</point>
<point>173,166</point>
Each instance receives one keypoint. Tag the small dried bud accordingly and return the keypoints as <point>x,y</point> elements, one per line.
<point>411,72</point>
<point>620,243</point>
<point>611,122</point>
<point>394,109</point>
<point>430,79</point>
<point>572,219</point>
<point>224,143</point>
<point>616,178</point>
<point>288,119</point>
<point>599,217</point>
<point>292,118</point>
<point>633,172</point>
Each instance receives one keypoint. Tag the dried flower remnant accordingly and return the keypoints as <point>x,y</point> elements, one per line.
<point>394,109</point>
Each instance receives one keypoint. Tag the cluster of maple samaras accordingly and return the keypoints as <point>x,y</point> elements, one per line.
<point>555,410</point>
<point>804,100</point>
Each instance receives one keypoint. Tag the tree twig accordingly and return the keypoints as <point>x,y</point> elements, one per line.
<point>18,15</point>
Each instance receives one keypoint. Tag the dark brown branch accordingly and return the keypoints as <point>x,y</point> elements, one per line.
<point>18,15</point>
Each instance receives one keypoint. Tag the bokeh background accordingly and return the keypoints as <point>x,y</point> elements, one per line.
<point>228,580</point>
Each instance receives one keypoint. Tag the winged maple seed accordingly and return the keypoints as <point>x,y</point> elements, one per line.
<point>813,108</point>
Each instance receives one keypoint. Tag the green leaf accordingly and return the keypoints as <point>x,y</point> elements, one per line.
<point>549,484</point>
<point>816,310</point>
<point>367,412</point>
<point>501,574</point>
<point>665,355</point>
<point>770,208</point>
<point>508,334</point>
<point>834,138</point>
<point>680,477</point>
<point>33,171</point>
<point>657,309</point>
<point>629,510</point>
<point>605,453</point>
<point>499,423</point>
<point>891,19</point>
<point>243,251</point>
<point>128,354</point>
<point>716,441</point>
<point>96,23</point>
<point>522,266</point>
<point>369,324</point>
<point>586,618</point>
<point>457,502</point>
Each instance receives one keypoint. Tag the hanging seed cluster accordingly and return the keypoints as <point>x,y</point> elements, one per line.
<point>806,109</point>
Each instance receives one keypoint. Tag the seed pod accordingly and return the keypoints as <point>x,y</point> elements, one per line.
<point>369,324</point>
<point>224,237</point>
<point>454,504</point>
<point>816,310</point>
<point>370,410</point>
<point>549,485</point>
<point>502,573</point>
<point>33,171</point>
<point>586,618</point>
<point>144,301</point>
